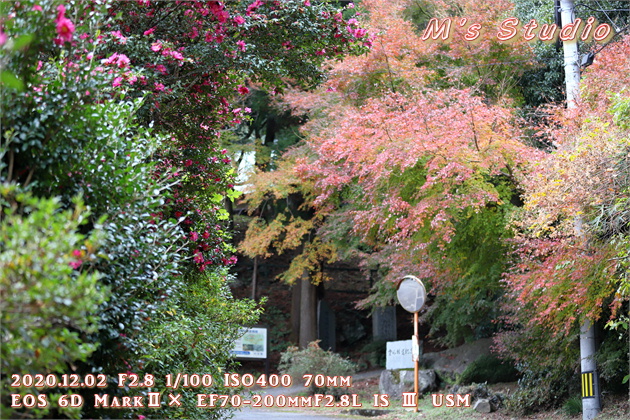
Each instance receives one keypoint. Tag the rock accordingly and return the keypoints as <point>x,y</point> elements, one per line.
<point>483,406</point>
<point>426,381</point>
<point>395,382</point>
<point>392,383</point>
<point>352,330</point>
<point>452,362</point>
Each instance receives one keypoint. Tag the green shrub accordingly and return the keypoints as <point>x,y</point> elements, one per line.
<point>315,361</point>
<point>375,353</point>
<point>540,390</point>
<point>489,368</point>
<point>573,406</point>
<point>47,305</point>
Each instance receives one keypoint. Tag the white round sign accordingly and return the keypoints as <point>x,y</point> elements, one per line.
<point>411,293</point>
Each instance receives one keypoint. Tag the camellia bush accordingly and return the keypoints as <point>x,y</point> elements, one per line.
<point>123,104</point>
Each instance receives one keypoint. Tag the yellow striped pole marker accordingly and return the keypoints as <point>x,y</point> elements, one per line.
<point>587,385</point>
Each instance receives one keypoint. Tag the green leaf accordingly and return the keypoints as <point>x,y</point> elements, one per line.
<point>22,41</point>
<point>625,379</point>
<point>12,81</point>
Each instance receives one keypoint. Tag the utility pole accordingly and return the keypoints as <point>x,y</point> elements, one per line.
<point>591,406</point>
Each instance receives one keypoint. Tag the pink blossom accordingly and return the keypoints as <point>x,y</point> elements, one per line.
<point>120,60</point>
<point>188,162</point>
<point>149,31</point>
<point>198,257</point>
<point>320,52</point>
<point>37,7</point>
<point>65,28</point>
<point>194,236</point>
<point>156,46</point>
<point>219,12</point>
<point>243,90</point>
<point>307,3</point>
<point>75,264</point>
<point>239,20</point>
<point>76,253</point>
<point>255,5</point>
<point>241,45</point>
<point>117,82</point>
<point>119,36</point>
<point>159,87</point>
<point>176,55</point>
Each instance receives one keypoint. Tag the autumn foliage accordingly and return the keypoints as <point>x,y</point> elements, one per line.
<point>415,160</point>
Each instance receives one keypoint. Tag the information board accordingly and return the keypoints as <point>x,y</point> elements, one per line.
<point>399,355</point>
<point>252,344</point>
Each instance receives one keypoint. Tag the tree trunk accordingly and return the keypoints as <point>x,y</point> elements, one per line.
<point>308,312</point>
<point>255,278</point>
<point>295,311</point>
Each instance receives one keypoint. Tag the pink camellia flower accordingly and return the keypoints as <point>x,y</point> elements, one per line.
<point>117,82</point>
<point>119,36</point>
<point>194,236</point>
<point>149,31</point>
<point>76,253</point>
<point>241,45</point>
<point>65,28</point>
<point>75,264</point>
<point>120,60</point>
<point>239,20</point>
<point>159,87</point>
<point>252,7</point>
<point>37,7</point>
<point>3,38</point>
<point>198,257</point>
<point>177,55</point>
<point>243,90</point>
<point>307,3</point>
<point>156,46</point>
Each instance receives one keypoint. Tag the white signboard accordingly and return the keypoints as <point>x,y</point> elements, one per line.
<point>252,345</point>
<point>399,355</point>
